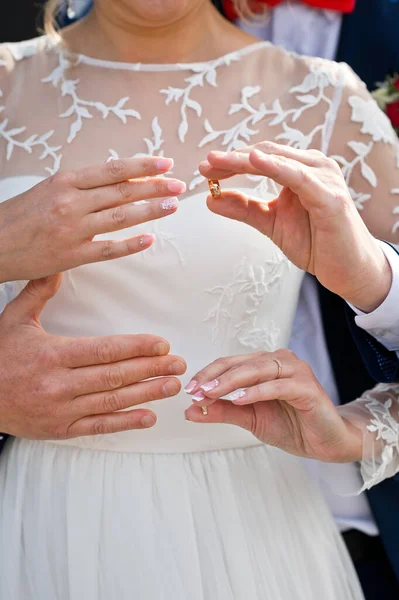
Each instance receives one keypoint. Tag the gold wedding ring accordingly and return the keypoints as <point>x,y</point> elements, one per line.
<point>204,410</point>
<point>214,188</point>
<point>279,368</point>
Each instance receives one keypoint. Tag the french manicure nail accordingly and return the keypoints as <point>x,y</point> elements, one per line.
<point>236,395</point>
<point>177,187</point>
<point>164,164</point>
<point>207,387</point>
<point>190,386</point>
<point>146,240</point>
<point>169,203</point>
<point>198,396</point>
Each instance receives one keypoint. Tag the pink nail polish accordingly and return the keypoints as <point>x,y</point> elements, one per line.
<point>190,386</point>
<point>169,203</point>
<point>146,240</point>
<point>207,387</point>
<point>177,187</point>
<point>164,164</point>
<point>198,396</point>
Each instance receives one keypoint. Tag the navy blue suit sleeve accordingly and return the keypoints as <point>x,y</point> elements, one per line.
<point>382,364</point>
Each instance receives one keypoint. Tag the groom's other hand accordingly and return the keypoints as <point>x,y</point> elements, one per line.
<point>313,220</point>
<point>58,387</point>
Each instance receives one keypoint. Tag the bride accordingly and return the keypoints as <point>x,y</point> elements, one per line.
<point>179,510</point>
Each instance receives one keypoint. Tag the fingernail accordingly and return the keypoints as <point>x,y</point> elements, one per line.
<point>207,387</point>
<point>147,240</point>
<point>164,164</point>
<point>170,388</point>
<point>176,368</point>
<point>190,386</point>
<point>198,396</point>
<point>160,349</point>
<point>169,203</point>
<point>234,396</point>
<point>177,187</point>
<point>148,421</point>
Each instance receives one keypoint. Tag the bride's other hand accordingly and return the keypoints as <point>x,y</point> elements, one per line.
<point>292,412</point>
<point>313,220</point>
<point>50,228</point>
<point>55,387</point>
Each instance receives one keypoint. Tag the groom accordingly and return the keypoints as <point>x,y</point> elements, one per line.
<point>366,38</point>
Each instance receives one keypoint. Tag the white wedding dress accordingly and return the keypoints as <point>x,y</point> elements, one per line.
<point>182,511</point>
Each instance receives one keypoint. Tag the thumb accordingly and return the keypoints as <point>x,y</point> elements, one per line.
<point>223,411</point>
<point>240,207</point>
<point>31,301</point>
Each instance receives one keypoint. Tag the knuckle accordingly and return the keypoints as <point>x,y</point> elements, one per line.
<point>157,368</point>
<point>317,155</point>
<point>224,362</point>
<point>107,250</point>
<point>305,368</point>
<point>285,354</point>
<point>99,427</point>
<point>158,186</point>
<point>106,353</point>
<point>266,146</point>
<point>62,204</point>
<point>113,377</point>
<point>47,356</point>
<point>124,189</point>
<point>110,402</point>
<point>304,176</point>
<point>116,168</point>
<point>119,215</point>
<point>62,179</point>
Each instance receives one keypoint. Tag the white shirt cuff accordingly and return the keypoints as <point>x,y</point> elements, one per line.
<point>383,322</point>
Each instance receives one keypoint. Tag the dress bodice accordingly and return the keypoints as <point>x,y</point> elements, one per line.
<point>211,286</point>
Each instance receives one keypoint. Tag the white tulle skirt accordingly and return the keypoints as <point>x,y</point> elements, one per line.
<point>238,524</point>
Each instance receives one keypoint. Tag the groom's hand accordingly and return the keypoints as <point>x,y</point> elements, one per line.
<point>313,221</point>
<point>57,387</point>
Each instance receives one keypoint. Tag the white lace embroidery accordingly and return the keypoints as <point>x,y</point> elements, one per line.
<point>375,124</point>
<point>30,143</point>
<point>203,73</point>
<point>79,108</point>
<point>255,283</point>
<point>384,423</point>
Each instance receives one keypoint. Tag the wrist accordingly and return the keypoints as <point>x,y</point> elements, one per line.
<point>351,448</point>
<point>377,282</point>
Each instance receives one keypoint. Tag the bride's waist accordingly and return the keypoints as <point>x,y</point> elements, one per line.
<point>211,437</point>
<point>171,434</point>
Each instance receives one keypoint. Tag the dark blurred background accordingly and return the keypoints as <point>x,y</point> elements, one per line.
<point>20,20</point>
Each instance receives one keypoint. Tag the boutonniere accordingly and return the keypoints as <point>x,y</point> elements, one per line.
<point>387,98</point>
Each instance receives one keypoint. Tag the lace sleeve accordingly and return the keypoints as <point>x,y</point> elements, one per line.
<point>366,146</point>
<point>376,414</point>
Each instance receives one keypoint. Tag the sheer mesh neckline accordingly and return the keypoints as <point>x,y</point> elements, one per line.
<point>126,66</point>
<point>30,47</point>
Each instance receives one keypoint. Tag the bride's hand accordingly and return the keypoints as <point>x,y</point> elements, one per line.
<point>313,221</point>
<point>50,228</point>
<point>292,412</point>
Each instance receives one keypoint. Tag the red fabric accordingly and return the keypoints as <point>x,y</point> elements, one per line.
<point>344,6</point>
<point>393,113</point>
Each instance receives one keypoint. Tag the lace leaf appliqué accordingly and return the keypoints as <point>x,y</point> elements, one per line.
<point>82,109</point>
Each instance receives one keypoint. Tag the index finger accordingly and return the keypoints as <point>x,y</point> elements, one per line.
<point>115,171</point>
<point>89,351</point>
